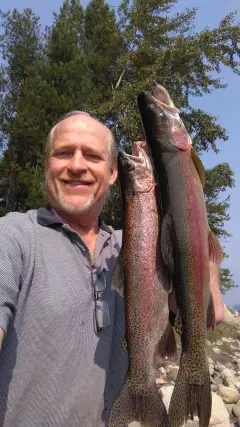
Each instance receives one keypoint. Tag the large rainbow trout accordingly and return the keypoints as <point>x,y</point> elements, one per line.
<point>146,294</point>
<point>187,245</point>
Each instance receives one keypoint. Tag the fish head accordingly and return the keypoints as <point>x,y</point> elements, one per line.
<point>135,170</point>
<point>163,127</point>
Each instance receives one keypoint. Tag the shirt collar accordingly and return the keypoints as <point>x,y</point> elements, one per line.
<point>47,217</point>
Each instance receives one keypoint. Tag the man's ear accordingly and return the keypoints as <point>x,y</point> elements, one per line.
<point>114,172</point>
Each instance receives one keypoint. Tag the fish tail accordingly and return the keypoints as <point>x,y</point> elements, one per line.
<point>145,406</point>
<point>191,396</point>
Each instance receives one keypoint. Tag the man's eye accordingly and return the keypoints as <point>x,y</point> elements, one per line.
<point>63,154</point>
<point>93,156</point>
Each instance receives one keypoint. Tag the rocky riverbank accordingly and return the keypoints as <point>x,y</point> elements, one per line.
<point>223,349</point>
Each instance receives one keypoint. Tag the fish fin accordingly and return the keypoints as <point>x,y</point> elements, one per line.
<point>166,242</point>
<point>190,397</point>
<point>199,166</point>
<point>117,282</point>
<point>166,347</point>
<point>145,406</point>
<point>211,321</point>
<point>215,250</point>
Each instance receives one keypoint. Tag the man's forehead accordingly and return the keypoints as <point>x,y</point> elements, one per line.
<point>81,123</point>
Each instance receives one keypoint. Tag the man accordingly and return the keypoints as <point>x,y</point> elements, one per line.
<point>56,306</point>
<point>62,361</point>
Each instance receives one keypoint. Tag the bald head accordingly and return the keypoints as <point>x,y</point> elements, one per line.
<point>83,121</point>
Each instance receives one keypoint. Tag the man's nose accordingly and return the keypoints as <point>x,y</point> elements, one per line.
<point>77,163</point>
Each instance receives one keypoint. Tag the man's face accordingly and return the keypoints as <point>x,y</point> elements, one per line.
<point>80,167</point>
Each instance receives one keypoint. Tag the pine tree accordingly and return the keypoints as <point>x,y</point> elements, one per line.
<point>21,48</point>
<point>104,46</point>
<point>68,68</point>
<point>162,46</point>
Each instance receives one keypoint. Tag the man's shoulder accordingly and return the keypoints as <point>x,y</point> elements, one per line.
<point>18,220</point>
<point>117,235</point>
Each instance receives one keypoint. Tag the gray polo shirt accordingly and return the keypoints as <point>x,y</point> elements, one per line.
<point>56,370</point>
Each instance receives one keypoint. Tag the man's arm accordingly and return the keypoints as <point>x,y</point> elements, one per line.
<point>10,276</point>
<point>216,292</point>
<point>2,334</point>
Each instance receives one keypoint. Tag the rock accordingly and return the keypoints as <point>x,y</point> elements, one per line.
<point>210,361</point>
<point>229,318</point>
<point>160,381</point>
<point>237,384</point>
<point>219,415</point>
<point>225,339</point>
<point>219,342</point>
<point>228,394</point>
<point>219,367</point>
<point>217,380</point>
<point>162,373</point>
<point>216,350</point>
<point>208,343</point>
<point>211,370</point>
<point>167,391</point>
<point>233,347</point>
<point>229,407</point>
<point>168,368</point>
<point>214,387</point>
<point>236,410</point>
<point>229,365</point>
<point>172,374</point>
<point>162,370</point>
<point>228,378</point>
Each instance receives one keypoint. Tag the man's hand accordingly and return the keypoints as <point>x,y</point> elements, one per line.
<point>2,334</point>
<point>216,292</point>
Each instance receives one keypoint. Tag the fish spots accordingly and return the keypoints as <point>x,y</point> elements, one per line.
<point>197,234</point>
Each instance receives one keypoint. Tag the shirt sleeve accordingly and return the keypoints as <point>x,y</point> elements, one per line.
<point>11,265</point>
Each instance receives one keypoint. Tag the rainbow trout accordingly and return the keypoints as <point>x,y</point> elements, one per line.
<point>145,292</point>
<point>187,246</point>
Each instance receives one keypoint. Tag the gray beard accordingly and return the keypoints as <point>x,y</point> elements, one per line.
<point>69,208</point>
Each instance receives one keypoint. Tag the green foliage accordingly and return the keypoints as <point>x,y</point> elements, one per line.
<point>227,281</point>
<point>88,60</point>
<point>218,179</point>
<point>104,46</point>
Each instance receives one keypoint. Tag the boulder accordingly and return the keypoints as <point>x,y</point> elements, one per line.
<point>228,394</point>
<point>228,378</point>
<point>172,374</point>
<point>236,410</point>
<point>229,319</point>
<point>216,350</point>
<point>219,415</point>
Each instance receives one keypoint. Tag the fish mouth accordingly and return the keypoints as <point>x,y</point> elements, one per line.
<point>159,102</point>
<point>138,160</point>
<point>161,121</point>
<point>163,99</point>
<point>154,116</point>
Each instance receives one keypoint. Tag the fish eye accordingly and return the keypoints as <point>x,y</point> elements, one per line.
<point>161,115</point>
<point>129,166</point>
